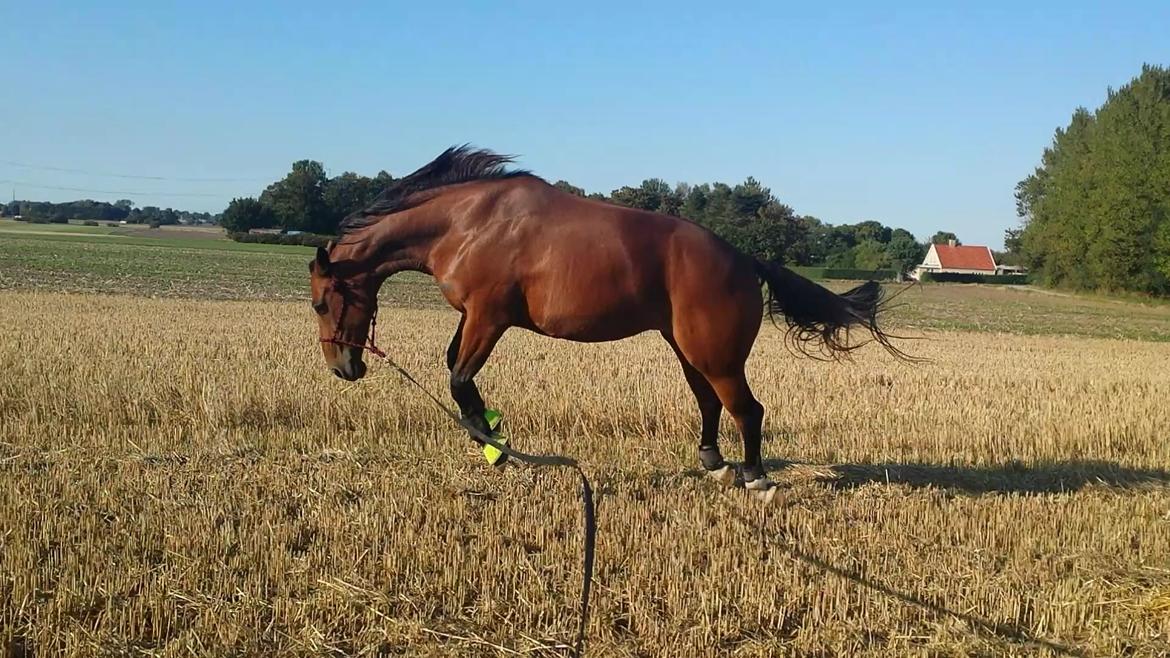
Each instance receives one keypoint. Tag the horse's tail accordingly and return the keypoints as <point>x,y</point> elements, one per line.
<point>820,319</point>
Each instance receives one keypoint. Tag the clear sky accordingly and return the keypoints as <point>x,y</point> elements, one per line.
<point>917,114</point>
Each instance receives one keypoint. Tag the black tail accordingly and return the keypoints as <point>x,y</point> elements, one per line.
<point>820,319</point>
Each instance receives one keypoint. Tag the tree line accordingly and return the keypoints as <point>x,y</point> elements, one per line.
<point>747,215</point>
<point>1096,212</point>
<point>122,209</point>
<point>752,219</point>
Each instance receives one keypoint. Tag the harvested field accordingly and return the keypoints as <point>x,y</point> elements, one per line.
<point>184,477</point>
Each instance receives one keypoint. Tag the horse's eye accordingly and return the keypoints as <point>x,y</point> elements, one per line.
<point>320,307</point>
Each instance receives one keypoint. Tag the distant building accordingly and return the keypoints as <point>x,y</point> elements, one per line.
<point>953,258</point>
<point>1010,269</point>
<point>265,231</point>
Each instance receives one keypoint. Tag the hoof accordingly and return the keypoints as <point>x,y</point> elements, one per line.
<point>766,497</point>
<point>763,489</point>
<point>724,475</point>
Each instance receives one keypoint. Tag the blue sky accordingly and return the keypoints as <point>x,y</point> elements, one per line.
<point>918,114</point>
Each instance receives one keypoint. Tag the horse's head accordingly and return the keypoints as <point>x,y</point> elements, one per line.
<point>345,303</point>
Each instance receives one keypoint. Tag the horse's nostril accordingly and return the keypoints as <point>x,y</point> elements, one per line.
<point>337,371</point>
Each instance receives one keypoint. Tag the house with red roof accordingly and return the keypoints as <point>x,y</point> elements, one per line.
<point>952,258</point>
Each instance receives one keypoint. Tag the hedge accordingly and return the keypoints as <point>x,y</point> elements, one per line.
<point>845,273</point>
<point>305,239</point>
<point>951,277</point>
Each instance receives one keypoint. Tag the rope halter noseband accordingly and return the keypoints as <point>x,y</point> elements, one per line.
<point>336,339</point>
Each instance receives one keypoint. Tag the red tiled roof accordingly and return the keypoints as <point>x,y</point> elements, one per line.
<point>964,257</point>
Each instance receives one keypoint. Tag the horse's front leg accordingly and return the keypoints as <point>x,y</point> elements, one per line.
<point>470,347</point>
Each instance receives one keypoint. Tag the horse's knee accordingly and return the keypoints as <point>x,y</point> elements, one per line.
<point>458,384</point>
<point>461,385</point>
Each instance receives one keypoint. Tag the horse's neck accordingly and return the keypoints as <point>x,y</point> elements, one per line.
<point>404,241</point>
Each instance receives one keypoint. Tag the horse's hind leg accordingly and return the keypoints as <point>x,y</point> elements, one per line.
<point>736,396</point>
<point>715,325</point>
<point>709,409</point>
<point>722,366</point>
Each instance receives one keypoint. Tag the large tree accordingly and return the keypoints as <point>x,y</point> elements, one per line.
<point>298,199</point>
<point>944,237</point>
<point>245,214</point>
<point>349,192</point>
<point>1096,212</point>
<point>566,186</point>
<point>653,194</point>
<point>903,252</point>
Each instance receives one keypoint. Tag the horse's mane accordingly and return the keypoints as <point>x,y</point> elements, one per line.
<point>458,164</point>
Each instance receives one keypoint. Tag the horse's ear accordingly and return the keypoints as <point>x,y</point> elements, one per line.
<point>322,260</point>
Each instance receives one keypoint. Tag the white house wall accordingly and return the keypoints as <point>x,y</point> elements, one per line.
<point>931,262</point>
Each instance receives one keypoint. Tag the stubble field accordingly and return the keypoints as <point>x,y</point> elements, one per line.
<point>182,476</point>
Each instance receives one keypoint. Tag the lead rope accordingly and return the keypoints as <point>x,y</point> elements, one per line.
<point>588,509</point>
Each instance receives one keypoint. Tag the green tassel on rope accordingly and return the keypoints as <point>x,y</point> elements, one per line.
<point>490,453</point>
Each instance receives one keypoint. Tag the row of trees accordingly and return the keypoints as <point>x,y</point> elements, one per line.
<point>63,212</point>
<point>1096,212</point>
<point>156,215</point>
<point>123,209</point>
<point>750,217</point>
<point>747,215</point>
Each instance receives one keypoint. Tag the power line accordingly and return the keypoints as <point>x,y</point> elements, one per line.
<point>184,179</point>
<point>122,193</point>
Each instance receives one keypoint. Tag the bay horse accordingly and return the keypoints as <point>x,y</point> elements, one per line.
<point>507,249</point>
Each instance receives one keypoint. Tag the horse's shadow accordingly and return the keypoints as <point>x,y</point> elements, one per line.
<point>1040,478</point>
<point>1010,478</point>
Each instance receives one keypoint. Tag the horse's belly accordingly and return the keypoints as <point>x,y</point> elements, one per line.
<point>588,330</point>
<point>596,324</point>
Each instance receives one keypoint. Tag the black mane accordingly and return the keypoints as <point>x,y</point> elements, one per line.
<point>458,164</point>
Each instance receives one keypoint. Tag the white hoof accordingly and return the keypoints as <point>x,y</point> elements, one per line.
<point>763,488</point>
<point>724,476</point>
<point>759,484</point>
<point>767,496</point>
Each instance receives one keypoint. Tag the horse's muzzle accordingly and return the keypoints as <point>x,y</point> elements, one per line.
<point>351,371</point>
